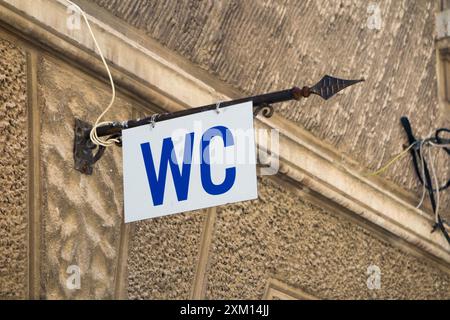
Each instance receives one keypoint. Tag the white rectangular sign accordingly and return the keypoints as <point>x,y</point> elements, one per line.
<point>193,162</point>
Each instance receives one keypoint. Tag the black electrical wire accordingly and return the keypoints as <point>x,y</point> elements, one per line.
<point>418,157</point>
<point>439,140</point>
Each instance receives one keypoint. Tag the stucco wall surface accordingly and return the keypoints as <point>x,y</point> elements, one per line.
<point>261,46</point>
<point>163,257</point>
<point>13,171</point>
<point>81,215</point>
<point>282,237</point>
<point>254,46</point>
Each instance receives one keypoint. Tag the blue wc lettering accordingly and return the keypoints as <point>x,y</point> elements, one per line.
<point>181,177</point>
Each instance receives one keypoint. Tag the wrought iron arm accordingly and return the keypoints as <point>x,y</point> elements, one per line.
<point>326,88</point>
<point>83,147</point>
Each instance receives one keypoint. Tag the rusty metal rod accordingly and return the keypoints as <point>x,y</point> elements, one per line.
<point>326,88</point>
<point>84,148</point>
<point>260,100</point>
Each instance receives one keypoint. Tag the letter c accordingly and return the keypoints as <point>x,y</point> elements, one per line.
<point>205,167</point>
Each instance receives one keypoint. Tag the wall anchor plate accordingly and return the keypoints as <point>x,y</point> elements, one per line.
<point>84,149</point>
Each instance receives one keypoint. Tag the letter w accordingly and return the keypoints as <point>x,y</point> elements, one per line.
<point>157,184</point>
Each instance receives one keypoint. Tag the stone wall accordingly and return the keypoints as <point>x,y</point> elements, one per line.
<point>280,236</point>
<point>13,171</point>
<point>163,257</point>
<point>261,46</point>
<point>81,215</point>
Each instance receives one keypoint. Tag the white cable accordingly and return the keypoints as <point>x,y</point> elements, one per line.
<point>93,135</point>
<point>422,167</point>
<point>431,160</point>
<point>435,175</point>
<point>440,145</point>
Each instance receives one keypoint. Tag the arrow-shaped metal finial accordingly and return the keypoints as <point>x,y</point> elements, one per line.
<point>329,86</point>
<point>83,152</point>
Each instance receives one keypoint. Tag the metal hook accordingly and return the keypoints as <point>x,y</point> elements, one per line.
<point>152,120</point>
<point>218,107</point>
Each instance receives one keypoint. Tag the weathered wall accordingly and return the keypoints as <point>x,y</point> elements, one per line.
<point>281,236</point>
<point>259,46</point>
<point>163,257</point>
<point>81,215</point>
<point>13,171</point>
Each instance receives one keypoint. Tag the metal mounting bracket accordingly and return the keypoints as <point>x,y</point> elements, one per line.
<point>86,153</point>
<point>84,148</point>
